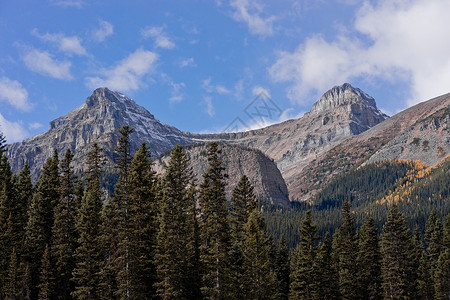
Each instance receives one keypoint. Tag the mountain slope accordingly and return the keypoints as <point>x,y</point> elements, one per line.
<point>97,120</point>
<point>237,161</point>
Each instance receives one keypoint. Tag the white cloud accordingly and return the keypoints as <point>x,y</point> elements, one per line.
<point>408,42</point>
<point>67,44</point>
<point>127,74</point>
<point>13,92</point>
<point>177,89</point>
<point>106,29</point>
<point>13,131</point>
<point>214,88</point>
<point>68,3</point>
<point>35,125</point>
<point>43,63</point>
<point>159,36</point>
<point>209,106</point>
<point>249,12</point>
<point>188,62</point>
<point>257,90</point>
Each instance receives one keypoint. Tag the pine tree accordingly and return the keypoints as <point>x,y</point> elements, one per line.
<point>425,288</point>
<point>25,282</point>
<point>12,288</point>
<point>88,254</point>
<point>347,252</point>
<point>302,270</point>
<point>259,277</point>
<point>214,228</point>
<point>325,277</point>
<point>242,203</point>
<point>369,259</point>
<point>282,268</point>
<point>397,255</point>
<point>442,274</point>
<point>38,231</point>
<point>24,197</point>
<point>45,288</point>
<point>175,226</point>
<point>143,212</point>
<point>64,232</point>
<point>433,240</point>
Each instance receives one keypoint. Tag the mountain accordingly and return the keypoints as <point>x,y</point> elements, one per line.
<point>97,120</point>
<point>342,112</point>
<point>419,132</point>
<point>237,161</point>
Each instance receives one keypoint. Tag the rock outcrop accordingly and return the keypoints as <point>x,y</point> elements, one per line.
<point>237,160</point>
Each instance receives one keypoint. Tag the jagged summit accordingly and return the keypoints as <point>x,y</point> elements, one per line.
<point>342,95</point>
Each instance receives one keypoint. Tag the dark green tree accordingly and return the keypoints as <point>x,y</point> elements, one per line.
<point>64,231</point>
<point>369,260</point>
<point>243,202</point>
<point>326,282</point>
<point>282,266</point>
<point>12,288</point>
<point>258,278</point>
<point>38,231</point>
<point>442,274</point>
<point>45,287</point>
<point>425,288</point>
<point>397,256</point>
<point>214,228</point>
<point>433,240</point>
<point>303,283</point>
<point>175,229</point>
<point>88,253</point>
<point>143,225</point>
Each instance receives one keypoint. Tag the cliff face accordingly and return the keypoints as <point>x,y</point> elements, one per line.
<point>97,120</point>
<point>342,112</point>
<point>237,161</point>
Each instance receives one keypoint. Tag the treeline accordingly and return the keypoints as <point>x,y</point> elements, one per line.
<point>169,237</point>
<point>417,190</point>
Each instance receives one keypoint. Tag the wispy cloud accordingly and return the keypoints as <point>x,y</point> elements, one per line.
<point>159,35</point>
<point>14,93</point>
<point>67,44</point>
<point>68,3</point>
<point>127,74</point>
<point>13,131</point>
<point>209,106</point>
<point>401,50</point>
<point>42,62</point>
<point>105,29</point>
<point>35,125</point>
<point>249,12</point>
<point>214,88</point>
<point>176,92</point>
<point>257,90</point>
<point>188,62</point>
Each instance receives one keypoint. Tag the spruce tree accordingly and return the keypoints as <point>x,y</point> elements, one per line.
<point>243,201</point>
<point>397,255</point>
<point>88,253</point>
<point>38,231</point>
<point>303,283</point>
<point>258,278</point>
<point>348,251</point>
<point>325,277</point>
<point>369,259</point>
<point>214,228</point>
<point>64,232</point>
<point>425,288</point>
<point>433,240</point>
<point>143,212</point>
<point>282,268</point>
<point>175,228</point>
<point>45,287</point>
<point>12,288</point>
<point>442,274</point>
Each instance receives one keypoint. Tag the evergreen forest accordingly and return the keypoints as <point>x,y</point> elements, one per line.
<point>380,231</point>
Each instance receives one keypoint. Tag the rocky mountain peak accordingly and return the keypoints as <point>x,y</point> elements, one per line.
<point>341,96</point>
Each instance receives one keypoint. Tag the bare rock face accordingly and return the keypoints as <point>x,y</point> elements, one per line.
<point>427,140</point>
<point>97,120</point>
<point>342,112</point>
<point>237,161</point>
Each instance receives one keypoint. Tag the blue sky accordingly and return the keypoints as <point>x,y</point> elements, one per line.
<point>198,64</point>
